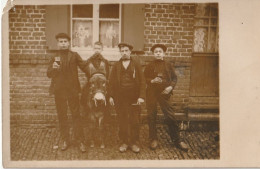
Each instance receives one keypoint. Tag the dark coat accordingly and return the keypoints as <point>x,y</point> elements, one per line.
<point>171,78</point>
<point>74,61</point>
<point>94,59</point>
<point>114,79</point>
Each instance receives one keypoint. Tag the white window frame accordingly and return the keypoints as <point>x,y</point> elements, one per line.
<point>85,53</point>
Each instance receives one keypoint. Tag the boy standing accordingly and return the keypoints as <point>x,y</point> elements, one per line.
<point>63,71</point>
<point>161,79</point>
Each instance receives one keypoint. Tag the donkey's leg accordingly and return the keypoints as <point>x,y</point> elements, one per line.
<point>101,131</point>
<point>92,129</point>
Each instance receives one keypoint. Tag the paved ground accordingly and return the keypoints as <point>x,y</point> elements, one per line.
<point>29,143</point>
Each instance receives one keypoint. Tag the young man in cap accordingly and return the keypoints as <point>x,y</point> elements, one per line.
<point>63,71</point>
<point>127,91</point>
<point>161,79</point>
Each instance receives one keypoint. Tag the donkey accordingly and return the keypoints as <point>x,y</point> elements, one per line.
<point>97,104</point>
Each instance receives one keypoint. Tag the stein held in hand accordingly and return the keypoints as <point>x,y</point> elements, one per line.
<point>56,63</point>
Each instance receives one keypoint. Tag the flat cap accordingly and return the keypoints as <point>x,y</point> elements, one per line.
<point>122,44</point>
<point>62,35</point>
<point>164,48</point>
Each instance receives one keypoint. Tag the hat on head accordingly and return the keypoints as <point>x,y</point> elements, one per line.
<point>164,48</point>
<point>125,44</point>
<point>62,35</point>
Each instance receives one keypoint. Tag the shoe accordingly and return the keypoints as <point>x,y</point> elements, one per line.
<point>64,146</point>
<point>135,148</point>
<point>82,147</point>
<point>102,145</point>
<point>154,144</point>
<point>92,145</point>
<point>181,145</point>
<point>123,148</point>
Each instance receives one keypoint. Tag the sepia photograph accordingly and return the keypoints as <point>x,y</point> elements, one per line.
<point>113,81</point>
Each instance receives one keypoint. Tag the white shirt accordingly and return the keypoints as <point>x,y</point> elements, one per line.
<point>126,63</point>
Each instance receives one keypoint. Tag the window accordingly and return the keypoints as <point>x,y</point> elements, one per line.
<point>88,23</point>
<point>204,71</point>
<point>95,22</point>
<point>206,28</point>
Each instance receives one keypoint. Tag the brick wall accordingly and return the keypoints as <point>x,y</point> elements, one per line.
<point>29,100</point>
<point>170,24</point>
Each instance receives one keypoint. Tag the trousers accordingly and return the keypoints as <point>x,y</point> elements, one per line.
<point>154,97</point>
<point>62,103</point>
<point>128,116</point>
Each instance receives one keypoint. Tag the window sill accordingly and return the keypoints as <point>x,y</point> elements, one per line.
<point>110,55</point>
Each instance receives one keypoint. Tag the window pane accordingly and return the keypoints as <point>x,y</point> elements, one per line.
<point>82,11</point>
<point>214,21</point>
<point>109,11</point>
<point>214,10</point>
<point>212,40</point>
<point>82,34</point>
<point>200,39</point>
<point>201,22</point>
<point>109,33</point>
<point>202,10</point>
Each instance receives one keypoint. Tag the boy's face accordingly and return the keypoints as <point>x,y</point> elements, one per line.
<point>125,52</point>
<point>63,43</point>
<point>158,53</point>
<point>98,49</point>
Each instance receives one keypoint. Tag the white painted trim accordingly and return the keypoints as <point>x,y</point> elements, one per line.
<point>95,23</point>
<point>120,22</point>
<point>52,2</point>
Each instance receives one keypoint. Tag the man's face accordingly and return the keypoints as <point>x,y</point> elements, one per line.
<point>125,52</point>
<point>158,53</point>
<point>98,49</point>
<point>63,43</point>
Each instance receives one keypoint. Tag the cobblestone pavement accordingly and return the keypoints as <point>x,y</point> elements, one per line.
<point>43,144</point>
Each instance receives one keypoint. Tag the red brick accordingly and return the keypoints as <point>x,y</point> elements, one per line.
<point>20,42</point>
<point>159,10</point>
<point>25,33</point>
<point>30,24</point>
<point>18,24</point>
<point>38,34</point>
<point>159,28</point>
<point>27,51</point>
<point>12,15</point>
<point>15,51</point>
<point>152,19</point>
<point>164,37</point>
<point>29,7</point>
<point>149,27</point>
<point>148,10</point>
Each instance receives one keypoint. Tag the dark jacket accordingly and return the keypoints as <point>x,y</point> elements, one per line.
<point>114,79</point>
<point>95,58</point>
<point>171,78</point>
<point>74,61</point>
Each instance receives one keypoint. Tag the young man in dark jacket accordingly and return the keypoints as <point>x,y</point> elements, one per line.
<point>161,79</point>
<point>127,90</point>
<point>63,71</point>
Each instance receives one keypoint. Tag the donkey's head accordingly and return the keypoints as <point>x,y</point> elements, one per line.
<point>98,90</point>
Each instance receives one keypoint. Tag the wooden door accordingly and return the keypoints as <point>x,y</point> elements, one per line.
<point>204,75</point>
